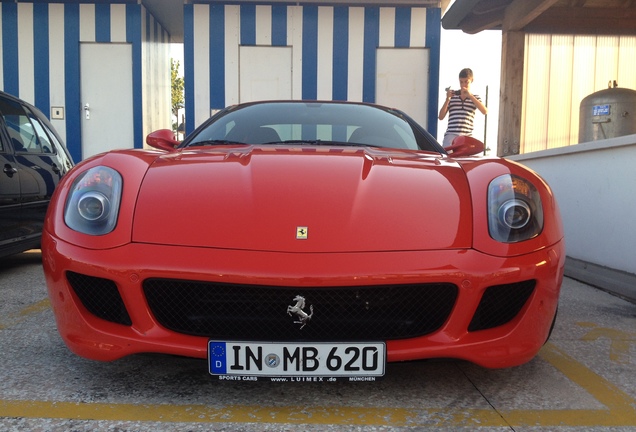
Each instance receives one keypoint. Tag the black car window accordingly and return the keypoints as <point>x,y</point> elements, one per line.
<point>22,133</point>
<point>310,122</point>
<point>47,138</point>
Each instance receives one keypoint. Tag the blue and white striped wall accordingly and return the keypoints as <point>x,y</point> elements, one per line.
<point>39,60</point>
<point>334,49</point>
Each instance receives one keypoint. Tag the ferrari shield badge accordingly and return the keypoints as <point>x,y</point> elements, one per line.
<point>301,233</point>
<point>297,309</point>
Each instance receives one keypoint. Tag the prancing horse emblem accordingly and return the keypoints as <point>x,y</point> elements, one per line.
<point>297,309</point>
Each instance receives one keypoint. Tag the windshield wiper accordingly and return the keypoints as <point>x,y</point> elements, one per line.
<point>214,142</point>
<point>323,143</point>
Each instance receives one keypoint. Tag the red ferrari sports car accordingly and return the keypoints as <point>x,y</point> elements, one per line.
<point>304,239</point>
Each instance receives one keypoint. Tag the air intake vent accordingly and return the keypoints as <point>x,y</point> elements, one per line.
<point>100,296</point>
<point>500,304</point>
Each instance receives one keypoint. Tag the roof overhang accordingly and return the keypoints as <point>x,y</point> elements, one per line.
<point>599,17</point>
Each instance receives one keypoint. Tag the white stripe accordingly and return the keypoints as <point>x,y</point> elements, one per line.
<point>356,53</point>
<point>325,53</point>
<point>418,27</point>
<point>26,65</point>
<point>201,64</point>
<point>1,55</point>
<point>387,27</point>
<point>118,23</point>
<point>263,25</point>
<point>295,36</point>
<point>232,42</point>
<point>57,65</point>
<point>87,23</point>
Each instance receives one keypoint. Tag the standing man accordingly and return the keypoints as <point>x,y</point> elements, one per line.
<point>461,106</point>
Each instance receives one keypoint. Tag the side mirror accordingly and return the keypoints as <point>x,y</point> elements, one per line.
<point>162,139</point>
<point>465,146</point>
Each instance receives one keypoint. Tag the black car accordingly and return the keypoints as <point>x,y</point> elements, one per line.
<point>33,159</point>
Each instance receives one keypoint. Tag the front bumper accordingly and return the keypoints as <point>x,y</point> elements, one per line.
<point>127,269</point>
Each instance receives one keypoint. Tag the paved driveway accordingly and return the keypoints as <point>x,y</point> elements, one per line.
<point>584,378</point>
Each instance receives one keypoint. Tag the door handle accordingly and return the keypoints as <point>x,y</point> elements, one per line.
<point>87,111</point>
<point>9,170</point>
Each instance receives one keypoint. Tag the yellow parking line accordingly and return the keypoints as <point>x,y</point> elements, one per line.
<point>17,317</point>
<point>249,414</point>
<point>620,406</point>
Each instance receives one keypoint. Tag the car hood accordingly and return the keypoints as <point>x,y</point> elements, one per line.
<point>305,199</point>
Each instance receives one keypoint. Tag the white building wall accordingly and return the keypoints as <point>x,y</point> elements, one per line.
<point>561,70</point>
<point>592,184</point>
<point>39,59</point>
<point>215,32</point>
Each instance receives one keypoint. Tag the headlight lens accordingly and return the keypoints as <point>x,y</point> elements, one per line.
<point>515,212</point>
<point>92,205</point>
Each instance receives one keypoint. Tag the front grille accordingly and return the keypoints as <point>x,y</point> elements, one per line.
<point>100,297</point>
<point>500,304</point>
<point>249,312</point>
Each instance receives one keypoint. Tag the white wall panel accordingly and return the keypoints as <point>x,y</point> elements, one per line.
<point>118,23</point>
<point>356,53</point>
<point>627,62</point>
<point>26,65</point>
<point>202,63</point>
<point>295,35</point>
<point>387,27</point>
<point>56,63</point>
<point>263,25</point>
<point>87,22</point>
<point>418,28</point>
<point>232,27</point>
<point>1,55</point>
<point>325,53</point>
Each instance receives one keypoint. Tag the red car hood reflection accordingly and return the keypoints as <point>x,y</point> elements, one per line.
<point>305,199</point>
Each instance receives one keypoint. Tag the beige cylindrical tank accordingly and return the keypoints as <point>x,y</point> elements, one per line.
<point>607,113</point>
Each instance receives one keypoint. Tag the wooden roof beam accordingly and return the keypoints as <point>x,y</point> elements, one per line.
<point>520,13</point>
<point>614,21</point>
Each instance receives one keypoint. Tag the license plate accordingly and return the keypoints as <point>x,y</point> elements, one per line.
<point>297,361</point>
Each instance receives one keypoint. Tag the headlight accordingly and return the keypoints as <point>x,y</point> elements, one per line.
<point>515,212</point>
<point>92,205</point>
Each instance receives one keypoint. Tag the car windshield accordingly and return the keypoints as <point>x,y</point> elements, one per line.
<point>316,123</point>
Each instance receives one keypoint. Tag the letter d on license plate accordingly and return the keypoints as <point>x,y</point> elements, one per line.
<point>295,359</point>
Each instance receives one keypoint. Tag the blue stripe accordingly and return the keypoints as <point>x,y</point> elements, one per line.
<point>371,42</point>
<point>41,57</point>
<point>72,81</point>
<point>340,53</point>
<point>217,56</point>
<point>133,35</point>
<point>310,52</point>
<point>248,24</point>
<point>188,63</point>
<point>10,48</point>
<point>102,22</point>
<point>433,34</point>
<point>279,25</point>
<point>402,27</point>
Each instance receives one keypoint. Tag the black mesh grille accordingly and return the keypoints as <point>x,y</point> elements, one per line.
<point>100,296</point>
<point>500,304</point>
<point>224,311</point>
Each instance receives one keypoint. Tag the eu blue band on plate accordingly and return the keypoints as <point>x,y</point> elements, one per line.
<point>217,357</point>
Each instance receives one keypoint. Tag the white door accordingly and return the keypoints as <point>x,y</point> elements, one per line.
<point>265,73</point>
<point>402,81</point>
<point>107,97</point>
